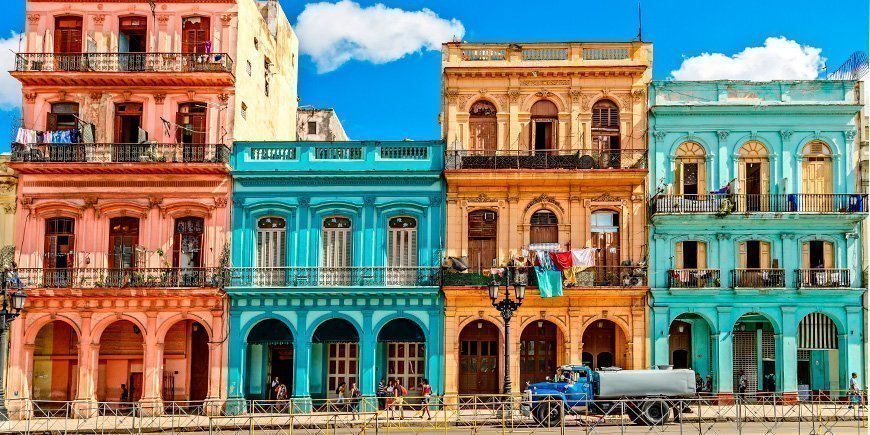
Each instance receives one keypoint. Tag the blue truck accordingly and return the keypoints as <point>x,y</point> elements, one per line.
<point>646,396</point>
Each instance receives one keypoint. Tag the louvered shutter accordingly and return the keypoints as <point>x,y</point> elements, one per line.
<point>678,255</point>
<point>765,177</point>
<point>765,255</point>
<point>402,247</point>
<point>271,247</point>
<point>51,122</point>
<point>702,177</point>
<point>741,176</point>
<point>829,255</point>
<point>805,256</point>
<point>741,263</point>
<point>336,248</point>
<point>678,178</point>
<point>702,255</point>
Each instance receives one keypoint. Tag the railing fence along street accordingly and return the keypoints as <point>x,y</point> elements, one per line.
<point>761,413</point>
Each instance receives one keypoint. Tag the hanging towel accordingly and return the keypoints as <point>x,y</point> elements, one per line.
<point>583,257</point>
<point>544,260</point>
<point>561,260</point>
<point>549,282</point>
<point>143,135</point>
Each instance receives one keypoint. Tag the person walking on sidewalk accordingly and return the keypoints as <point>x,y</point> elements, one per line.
<point>742,383</point>
<point>354,399</point>
<point>399,393</point>
<point>426,389</point>
<point>855,392</point>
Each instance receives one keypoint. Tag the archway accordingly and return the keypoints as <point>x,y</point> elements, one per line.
<point>120,363</point>
<point>754,355</point>
<point>539,351</point>
<point>55,364</point>
<point>185,362</point>
<point>818,355</point>
<point>689,344</point>
<point>334,358</point>
<point>402,350</point>
<point>604,342</point>
<point>270,359</point>
<point>479,359</point>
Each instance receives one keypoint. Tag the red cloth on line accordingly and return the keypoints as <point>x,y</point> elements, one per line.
<point>561,260</point>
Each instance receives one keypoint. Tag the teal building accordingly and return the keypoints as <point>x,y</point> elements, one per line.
<point>755,238</point>
<point>335,267</point>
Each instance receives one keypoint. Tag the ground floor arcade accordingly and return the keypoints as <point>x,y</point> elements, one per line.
<point>153,347</point>
<point>600,328</point>
<point>794,343</point>
<point>313,341</point>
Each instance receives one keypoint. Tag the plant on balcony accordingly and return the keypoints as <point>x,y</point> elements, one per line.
<point>7,256</point>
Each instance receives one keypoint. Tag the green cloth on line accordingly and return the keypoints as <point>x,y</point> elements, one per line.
<point>549,282</point>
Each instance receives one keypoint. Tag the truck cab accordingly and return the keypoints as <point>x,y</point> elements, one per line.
<point>571,389</point>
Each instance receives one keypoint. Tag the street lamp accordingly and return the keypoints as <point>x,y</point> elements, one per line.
<point>506,308</point>
<point>13,302</point>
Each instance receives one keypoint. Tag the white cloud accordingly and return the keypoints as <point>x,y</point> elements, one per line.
<point>10,88</point>
<point>335,33</point>
<point>778,59</point>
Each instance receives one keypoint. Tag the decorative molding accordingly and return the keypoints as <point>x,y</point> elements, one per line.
<point>162,19</point>
<point>190,94</point>
<point>33,19</point>
<point>606,197</point>
<point>154,202</point>
<point>482,197</point>
<point>850,134</point>
<point>220,201</point>
<point>369,201</point>
<point>575,95</point>
<point>30,97</point>
<point>586,101</point>
<point>723,134</point>
<point>638,93</point>
<point>543,93</point>
<point>514,95</point>
<point>304,201</point>
<point>787,236</point>
<point>435,200</point>
<point>545,82</point>
<point>226,19</point>
<point>452,95</point>
<point>159,98</point>
<point>9,208</point>
<point>660,135</point>
<point>786,134</point>
<point>96,96</point>
<point>99,18</point>
<point>723,236</point>
<point>238,202</point>
<point>544,199</point>
<point>223,98</point>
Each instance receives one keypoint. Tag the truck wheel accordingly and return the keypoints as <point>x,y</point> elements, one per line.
<point>655,413</point>
<point>549,413</point>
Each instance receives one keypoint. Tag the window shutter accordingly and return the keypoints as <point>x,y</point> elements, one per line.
<point>829,255</point>
<point>741,262</point>
<point>741,176</point>
<point>765,255</point>
<point>678,255</point>
<point>702,177</point>
<point>765,177</point>
<point>51,122</point>
<point>702,255</point>
<point>678,178</point>
<point>827,186</point>
<point>805,255</point>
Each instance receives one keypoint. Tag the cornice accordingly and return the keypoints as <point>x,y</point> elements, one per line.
<point>769,109</point>
<point>416,180</point>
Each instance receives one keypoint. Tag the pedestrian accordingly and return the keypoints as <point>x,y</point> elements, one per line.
<point>399,393</point>
<point>742,382</point>
<point>699,383</point>
<point>282,396</point>
<point>708,385</point>
<point>273,390</point>
<point>426,390</point>
<point>125,395</point>
<point>382,394</point>
<point>339,391</point>
<point>355,397</point>
<point>855,392</point>
<point>388,401</point>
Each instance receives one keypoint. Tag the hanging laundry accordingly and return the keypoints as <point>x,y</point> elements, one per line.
<point>549,282</point>
<point>143,135</point>
<point>544,260</point>
<point>583,257</point>
<point>561,260</point>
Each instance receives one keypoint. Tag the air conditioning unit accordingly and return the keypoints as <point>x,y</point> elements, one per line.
<point>489,216</point>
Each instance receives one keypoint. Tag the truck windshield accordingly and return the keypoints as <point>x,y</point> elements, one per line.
<point>565,375</point>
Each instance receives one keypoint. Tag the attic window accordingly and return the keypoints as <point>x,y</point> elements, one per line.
<point>312,127</point>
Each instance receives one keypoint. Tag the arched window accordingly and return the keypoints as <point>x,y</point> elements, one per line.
<point>544,227</point>
<point>753,176</point>
<point>605,130</point>
<point>691,174</point>
<point>271,242</point>
<point>483,128</point>
<point>605,238</point>
<point>402,242</point>
<point>195,35</point>
<point>482,228</point>
<point>817,170</point>
<point>544,123</point>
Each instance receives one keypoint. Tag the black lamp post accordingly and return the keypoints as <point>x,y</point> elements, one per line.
<point>13,302</point>
<point>506,308</point>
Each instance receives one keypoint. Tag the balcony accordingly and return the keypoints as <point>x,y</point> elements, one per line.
<point>288,277</point>
<point>151,152</point>
<point>822,278</point>
<point>758,278</point>
<point>598,276</point>
<point>546,159</point>
<point>91,278</point>
<point>725,204</point>
<point>131,68</point>
<point>410,157</point>
<point>693,278</point>
<point>545,54</point>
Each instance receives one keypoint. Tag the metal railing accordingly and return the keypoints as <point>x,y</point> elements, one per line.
<point>117,278</point>
<point>124,62</point>
<point>334,276</point>
<point>822,278</point>
<point>758,278</point>
<point>546,159</point>
<point>150,152</point>
<point>724,204</point>
<point>693,278</point>
<point>595,276</point>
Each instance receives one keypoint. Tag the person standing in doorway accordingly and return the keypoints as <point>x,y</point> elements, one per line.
<point>273,390</point>
<point>426,390</point>
<point>742,382</point>
<point>125,394</point>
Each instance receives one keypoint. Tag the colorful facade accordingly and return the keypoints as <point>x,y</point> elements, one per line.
<point>122,224</point>
<point>335,278</point>
<point>763,277</point>
<point>8,184</point>
<point>546,144</point>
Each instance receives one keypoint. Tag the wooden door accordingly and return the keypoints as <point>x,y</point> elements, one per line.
<point>401,251</point>
<point>68,35</point>
<point>478,358</point>
<point>195,35</point>
<point>128,122</point>
<point>190,130</point>
<point>482,229</point>
<point>135,387</point>
<point>123,238</point>
<point>341,366</point>
<point>537,353</point>
<point>544,227</point>
<point>483,134</point>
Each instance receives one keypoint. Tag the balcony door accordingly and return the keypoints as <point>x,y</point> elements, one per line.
<point>128,133</point>
<point>132,42</point>
<point>63,116</point>
<point>191,122</point>
<point>753,177</point>
<point>483,127</point>
<point>271,251</point>
<point>544,122</point>
<point>691,254</point>
<point>336,251</point>
<point>195,35</point>
<point>58,252</point>
<point>606,239</point>
<point>544,227</point>
<point>123,239</point>
<point>67,43</point>
<point>606,133</point>
<point>482,228</point>
<point>187,249</point>
<point>691,171</point>
<point>401,251</point>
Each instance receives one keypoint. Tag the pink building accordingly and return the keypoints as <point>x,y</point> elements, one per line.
<point>128,115</point>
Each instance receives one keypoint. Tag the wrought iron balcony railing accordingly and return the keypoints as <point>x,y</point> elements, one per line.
<point>121,153</point>
<point>693,278</point>
<point>85,278</point>
<point>822,278</point>
<point>723,204</point>
<point>595,276</point>
<point>547,159</point>
<point>758,278</point>
<point>124,62</point>
<point>335,277</point>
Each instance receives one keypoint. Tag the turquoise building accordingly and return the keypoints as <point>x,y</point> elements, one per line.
<point>756,233</point>
<point>335,267</point>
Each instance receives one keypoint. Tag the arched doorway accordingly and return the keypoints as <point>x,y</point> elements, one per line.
<point>185,362</point>
<point>334,358</point>
<point>818,355</point>
<point>690,345</point>
<point>604,342</point>
<point>479,360</point>
<point>539,352</point>
<point>483,127</point>
<point>753,176</point>
<point>270,356</point>
<point>121,363</point>
<point>402,350</point>
<point>544,123</point>
<point>55,365</point>
<point>754,354</point>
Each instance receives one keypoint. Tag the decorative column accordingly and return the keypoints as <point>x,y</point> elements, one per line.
<point>855,358</point>
<point>787,163</point>
<point>723,365</point>
<point>85,404</point>
<point>152,402</point>
<point>661,335</point>
<point>235,365</point>
<point>790,259</point>
<point>725,262</point>
<point>786,356</point>
<point>513,134</point>
<point>723,160</point>
<point>368,348</point>
<point>216,363</point>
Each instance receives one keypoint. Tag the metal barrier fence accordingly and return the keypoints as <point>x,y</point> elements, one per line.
<point>453,414</point>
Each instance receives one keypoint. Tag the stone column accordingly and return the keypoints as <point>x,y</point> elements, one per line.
<point>723,366</point>
<point>85,404</point>
<point>575,335</point>
<point>724,261</point>
<point>790,258</point>
<point>368,346</point>
<point>660,335</point>
<point>216,363</point>
<point>235,365</point>
<point>451,343</point>
<point>786,355</point>
<point>152,402</point>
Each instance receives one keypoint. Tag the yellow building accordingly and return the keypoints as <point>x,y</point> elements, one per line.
<point>546,144</point>
<point>8,183</point>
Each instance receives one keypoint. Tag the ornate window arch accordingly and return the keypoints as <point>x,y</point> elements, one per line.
<point>544,227</point>
<point>544,123</point>
<point>817,173</point>
<point>691,171</point>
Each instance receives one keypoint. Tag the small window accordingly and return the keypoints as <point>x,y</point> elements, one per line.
<point>248,67</point>
<point>312,127</point>
<point>244,110</point>
<point>256,44</point>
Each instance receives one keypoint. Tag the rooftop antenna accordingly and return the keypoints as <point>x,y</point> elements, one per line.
<point>639,23</point>
<point>854,68</point>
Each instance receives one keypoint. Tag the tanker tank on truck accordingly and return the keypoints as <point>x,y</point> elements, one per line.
<point>577,388</point>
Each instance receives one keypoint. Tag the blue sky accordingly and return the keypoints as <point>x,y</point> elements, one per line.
<point>399,99</point>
